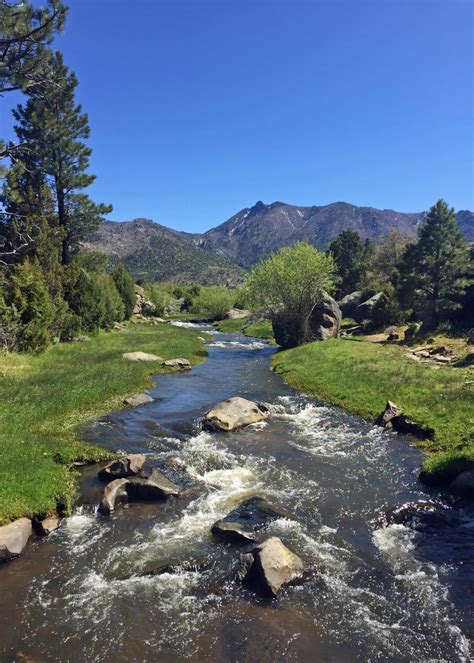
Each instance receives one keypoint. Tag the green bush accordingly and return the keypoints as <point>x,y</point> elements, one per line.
<point>126,289</point>
<point>214,302</point>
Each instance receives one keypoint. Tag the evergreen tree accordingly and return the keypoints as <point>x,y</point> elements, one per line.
<point>432,273</point>
<point>54,127</point>
<point>351,256</point>
<point>126,289</point>
<point>85,298</point>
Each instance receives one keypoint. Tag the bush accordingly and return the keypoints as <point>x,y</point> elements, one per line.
<point>386,311</point>
<point>114,308</point>
<point>126,289</point>
<point>158,296</point>
<point>214,302</point>
<point>86,299</point>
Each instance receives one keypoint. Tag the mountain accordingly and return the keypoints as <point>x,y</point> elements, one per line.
<point>220,255</point>
<point>156,253</point>
<point>255,232</point>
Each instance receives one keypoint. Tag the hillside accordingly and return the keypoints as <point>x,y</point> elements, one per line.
<point>152,251</point>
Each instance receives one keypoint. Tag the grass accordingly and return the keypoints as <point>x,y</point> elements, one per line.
<point>361,376</point>
<point>44,397</point>
<point>261,329</point>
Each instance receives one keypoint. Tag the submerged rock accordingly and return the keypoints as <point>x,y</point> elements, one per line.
<point>141,356</point>
<point>270,566</point>
<point>14,537</point>
<point>233,413</point>
<point>242,524</point>
<point>121,468</point>
<point>138,399</point>
<point>179,364</point>
<point>138,489</point>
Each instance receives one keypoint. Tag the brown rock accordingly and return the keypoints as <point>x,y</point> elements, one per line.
<point>178,364</point>
<point>13,538</point>
<point>121,468</point>
<point>48,525</point>
<point>271,565</point>
<point>138,399</point>
<point>233,413</point>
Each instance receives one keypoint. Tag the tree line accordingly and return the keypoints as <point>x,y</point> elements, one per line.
<point>48,289</point>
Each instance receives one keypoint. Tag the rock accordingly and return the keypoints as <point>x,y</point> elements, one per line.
<point>14,537</point>
<point>237,314</point>
<point>385,418</point>
<point>47,525</point>
<point>122,468</point>
<point>201,338</point>
<point>141,356</point>
<point>349,303</point>
<point>242,524</point>
<point>393,337</point>
<point>178,364</point>
<point>233,413</point>
<point>138,399</point>
<point>463,484</point>
<point>148,308</point>
<point>403,514</point>
<point>138,489</point>
<point>271,565</point>
<point>442,359</point>
<point>325,320</point>
<point>364,310</point>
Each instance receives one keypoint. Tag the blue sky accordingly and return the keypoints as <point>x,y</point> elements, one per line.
<point>199,108</point>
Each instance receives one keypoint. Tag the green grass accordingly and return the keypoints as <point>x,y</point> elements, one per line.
<point>228,326</point>
<point>261,329</point>
<point>361,376</point>
<point>44,397</point>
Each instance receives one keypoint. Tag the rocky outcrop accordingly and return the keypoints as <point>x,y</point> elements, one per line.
<point>138,399</point>
<point>138,489</point>
<point>349,303</point>
<point>325,320</point>
<point>463,484</point>
<point>178,364</point>
<point>363,311</point>
<point>270,566</point>
<point>142,305</point>
<point>124,467</point>
<point>14,537</point>
<point>243,523</point>
<point>237,314</point>
<point>141,356</point>
<point>233,413</point>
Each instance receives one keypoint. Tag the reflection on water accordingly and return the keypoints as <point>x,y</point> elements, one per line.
<point>90,592</point>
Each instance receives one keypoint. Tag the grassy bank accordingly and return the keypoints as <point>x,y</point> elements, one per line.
<point>44,397</point>
<point>361,376</point>
<point>261,329</point>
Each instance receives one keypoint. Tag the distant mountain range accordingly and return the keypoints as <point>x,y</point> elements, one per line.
<point>221,255</point>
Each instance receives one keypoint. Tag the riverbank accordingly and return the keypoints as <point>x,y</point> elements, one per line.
<point>261,329</point>
<point>361,376</point>
<point>43,398</point>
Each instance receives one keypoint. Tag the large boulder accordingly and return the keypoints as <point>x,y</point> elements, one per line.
<point>243,523</point>
<point>270,565</point>
<point>233,413</point>
<point>14,537</point>
<point>137,489</point>
<point>363,311</point>
<point>349,303</point>
<point>141,356</point>
<point>122,468</point>
<point>325,320</point>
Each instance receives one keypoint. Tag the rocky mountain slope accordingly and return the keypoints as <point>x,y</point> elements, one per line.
<point>155,252</point>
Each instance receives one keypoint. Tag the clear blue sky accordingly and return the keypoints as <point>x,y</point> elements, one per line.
<point>199,108</point>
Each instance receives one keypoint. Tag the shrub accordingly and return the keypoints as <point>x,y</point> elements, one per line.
<point>214,302</point>
<point>126,289</point>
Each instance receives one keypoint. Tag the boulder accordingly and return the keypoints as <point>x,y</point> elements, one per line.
<point>124,467</point>
<point>385,418</point>
<point>463,484</point>
<point>14,537</point>
<point>363,311</point>
<point>138,489</point>
<point>242,524</point>
<point>178,364</point>
<point>349,303</point>
<point>233,413</point>
<point>237,313</point>
<point>270,565</point>
<point>325,320</point>
<point>138,399</point>
<point>47,525</point>
<point>141,356</point>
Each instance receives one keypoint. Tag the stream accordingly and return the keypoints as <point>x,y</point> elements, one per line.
<point>402,592</point>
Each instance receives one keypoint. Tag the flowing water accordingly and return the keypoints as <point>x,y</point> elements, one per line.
<point>372,593</point>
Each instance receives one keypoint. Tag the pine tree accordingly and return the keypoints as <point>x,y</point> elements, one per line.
<point>54,128</point>
<point>432,272</point>
<point>351,256</point>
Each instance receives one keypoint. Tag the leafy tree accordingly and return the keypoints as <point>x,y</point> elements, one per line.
<point>432,272</point>
<point>386,256</point>
<point>351,256</point>
<point>291,283</point>
<point>214,302</point>
<point>126,289</point>
<point>54,127</point>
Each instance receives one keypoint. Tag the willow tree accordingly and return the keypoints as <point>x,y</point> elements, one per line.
<point>55,128</point>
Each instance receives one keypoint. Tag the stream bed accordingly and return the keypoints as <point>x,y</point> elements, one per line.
<point>402,592</point>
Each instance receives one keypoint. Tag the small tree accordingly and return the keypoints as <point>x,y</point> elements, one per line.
<point>214,302</point>
<point>432,273</point>
<point>386,256</point>
<point>351,256</point>
<point>126,289</point>
<point>290,284</point>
